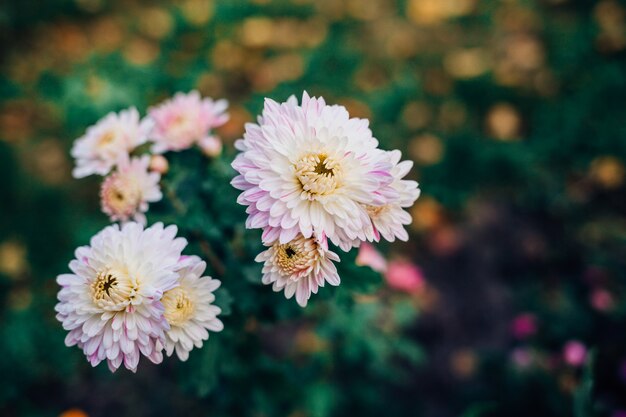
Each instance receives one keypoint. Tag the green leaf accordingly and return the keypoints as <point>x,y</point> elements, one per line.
<point>202,373</point>
<point>223,300</point>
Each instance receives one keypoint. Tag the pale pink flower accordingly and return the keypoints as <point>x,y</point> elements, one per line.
<point>125,193</point>
<point>310,169</point>
<point>115,135</point>
<point>389,219</point>
<point>189,309</point>
<point>524,326</point>
<point>299,267</point>
<point>574,353</point>
<point>184,120</point>
<point>111,302</point>
<point>369,256</point>
<point>405,276</point>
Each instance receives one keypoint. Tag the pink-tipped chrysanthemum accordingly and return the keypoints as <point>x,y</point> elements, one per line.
<point>111,302</point>
<point>299,267</point>
<point>125,193</point>
<point>311,169</point>
<point>184,120</point>
<point>389,219</point>
<point>189,309</point>
<point>113,136</point>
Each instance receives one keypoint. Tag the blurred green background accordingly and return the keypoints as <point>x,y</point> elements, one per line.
<point>514,112</point>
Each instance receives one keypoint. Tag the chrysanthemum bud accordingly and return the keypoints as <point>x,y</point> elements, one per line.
<point>211,146</point>
<point>158,163</point>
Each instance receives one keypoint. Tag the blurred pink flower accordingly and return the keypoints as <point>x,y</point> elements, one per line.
<point>369,256</point>
<point>619,413</point>
<point>185,119</point>
<point>522,357</point>
<point>601,299</point>
<point>524,325</point>
<point>404,276</point>
<point>574,353</point>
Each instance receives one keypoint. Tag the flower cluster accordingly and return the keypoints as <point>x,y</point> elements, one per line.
<point>310,174</point>
<point>133,181</point>
<point>132,293</point>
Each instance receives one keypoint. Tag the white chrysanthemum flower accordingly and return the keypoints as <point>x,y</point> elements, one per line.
<point>299,267</point>
<point>311,169</point>
<point>111,302</point>
<point>125,194</point>
<point>189,309</point>
<point>184,120</point>
<point>389,220</point>
<point>113,136</point>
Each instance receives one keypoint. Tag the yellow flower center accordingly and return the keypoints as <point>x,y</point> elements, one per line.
<point>180,120</point>
<point>178,306</point>
<point>318,175</point>
<point>295,256</point>
<point>112,289</point>
<point>106,139</point>
<point>375,211</point>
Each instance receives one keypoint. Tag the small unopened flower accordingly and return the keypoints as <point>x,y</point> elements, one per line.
<point>189,310</point>
<point>389,219</point>
<point>125,194</point>
<point>211,146</point>
<point>404,276</point>
<point>185,119</point>
<point>299,267</point>
<point>158,163</point>
<point>111,302</point>
<point>574,353</point>
<point>113,136</point>
<point>369,256</point>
